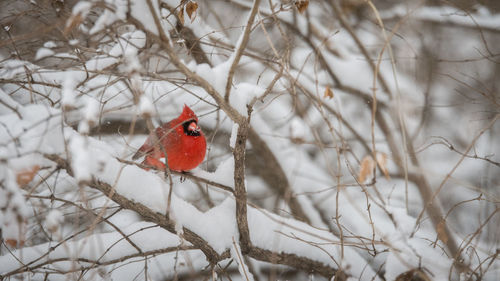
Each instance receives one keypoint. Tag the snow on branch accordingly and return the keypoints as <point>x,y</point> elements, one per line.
<point>320,134</point>
<point>217,244</point>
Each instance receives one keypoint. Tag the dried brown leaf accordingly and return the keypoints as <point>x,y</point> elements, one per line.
<point>26,176</point>
<point>382,163</point>
<point>14,243</point>
<point>328,93</point>
<point>301,5</point>
<point>191,8</point>
<point>366,170</point>
<point>11,242</point>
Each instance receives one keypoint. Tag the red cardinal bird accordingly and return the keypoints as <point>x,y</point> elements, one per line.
<point>182,140</point>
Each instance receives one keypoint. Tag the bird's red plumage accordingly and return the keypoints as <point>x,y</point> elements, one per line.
<point>185,149</point>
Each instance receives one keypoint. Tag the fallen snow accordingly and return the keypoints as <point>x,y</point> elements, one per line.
<point>49,44</point>
<point>68,94</point>
<point>239,258</point>
<point>408,253</point>
<point>53,220</point>
<point>80,158</point>
<point>447,14</point>
<point>43,53</point>
<point>91,110</point>
<point>224,174</point>
<point>100,247</point>
<point>90,157</point>
<point>145,106</point>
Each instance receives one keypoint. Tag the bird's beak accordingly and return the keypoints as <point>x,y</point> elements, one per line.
<point>193,127</point>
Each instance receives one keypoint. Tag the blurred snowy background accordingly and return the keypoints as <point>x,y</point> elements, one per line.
<point>372,147</point>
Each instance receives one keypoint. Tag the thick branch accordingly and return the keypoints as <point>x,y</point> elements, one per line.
<point>212,256</point>
<point>149,215</point>
<point>293,261</point>
<point>239,186</point>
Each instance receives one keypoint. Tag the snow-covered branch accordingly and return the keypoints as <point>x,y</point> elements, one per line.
<point>253,140</point>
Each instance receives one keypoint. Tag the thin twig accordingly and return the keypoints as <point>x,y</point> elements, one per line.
<point>240,48</point>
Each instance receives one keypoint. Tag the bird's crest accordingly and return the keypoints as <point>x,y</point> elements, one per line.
<point>187,114</point>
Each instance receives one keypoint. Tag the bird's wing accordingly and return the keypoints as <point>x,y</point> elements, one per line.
<point>143,150</point>
<point>149,144</point>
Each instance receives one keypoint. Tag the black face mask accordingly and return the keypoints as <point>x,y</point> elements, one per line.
<point>188,132</point>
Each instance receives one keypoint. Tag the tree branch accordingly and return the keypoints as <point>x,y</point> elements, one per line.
<point>239,186</point>
<point>212,256</point>
<point>240,48</point>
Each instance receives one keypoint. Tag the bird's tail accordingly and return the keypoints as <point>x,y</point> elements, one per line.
<point>141,152</point>
<point>137,155</point>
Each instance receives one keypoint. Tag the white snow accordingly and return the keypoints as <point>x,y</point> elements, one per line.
<point>10,68</point>
<point>10,103</point>
<point>68,95</point>
<point>126,46</point>
<point>82,8</point>
<point>447,14</point>
<point>131,60</point>
<point>30,126</point>
<point>297,129</point>
<point>80,158</point>
<point>43,53</point>
<point>242,94</point>
<point>217,75</point>
<point>234,134</point>
<point>90,157</point>
<point>408,253</point>
<point>91,110</point>
<point>108,17</point>
<point>53,220</point>
<point>43,137</point>
<point>224,174</point>
<point>145,106</point>
<point>138,10</point>
<point>49,44</point>
<point>239,258</point>
<point>14,206</point>
<point>102,247</point>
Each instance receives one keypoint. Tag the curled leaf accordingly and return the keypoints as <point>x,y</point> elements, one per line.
<point>14,243</point>
<point>382,163</point>
<point>191,8</point>
<point>301,5</point>
<point>328,93</point>
<point>366,170</point>
<point>26,176</point>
